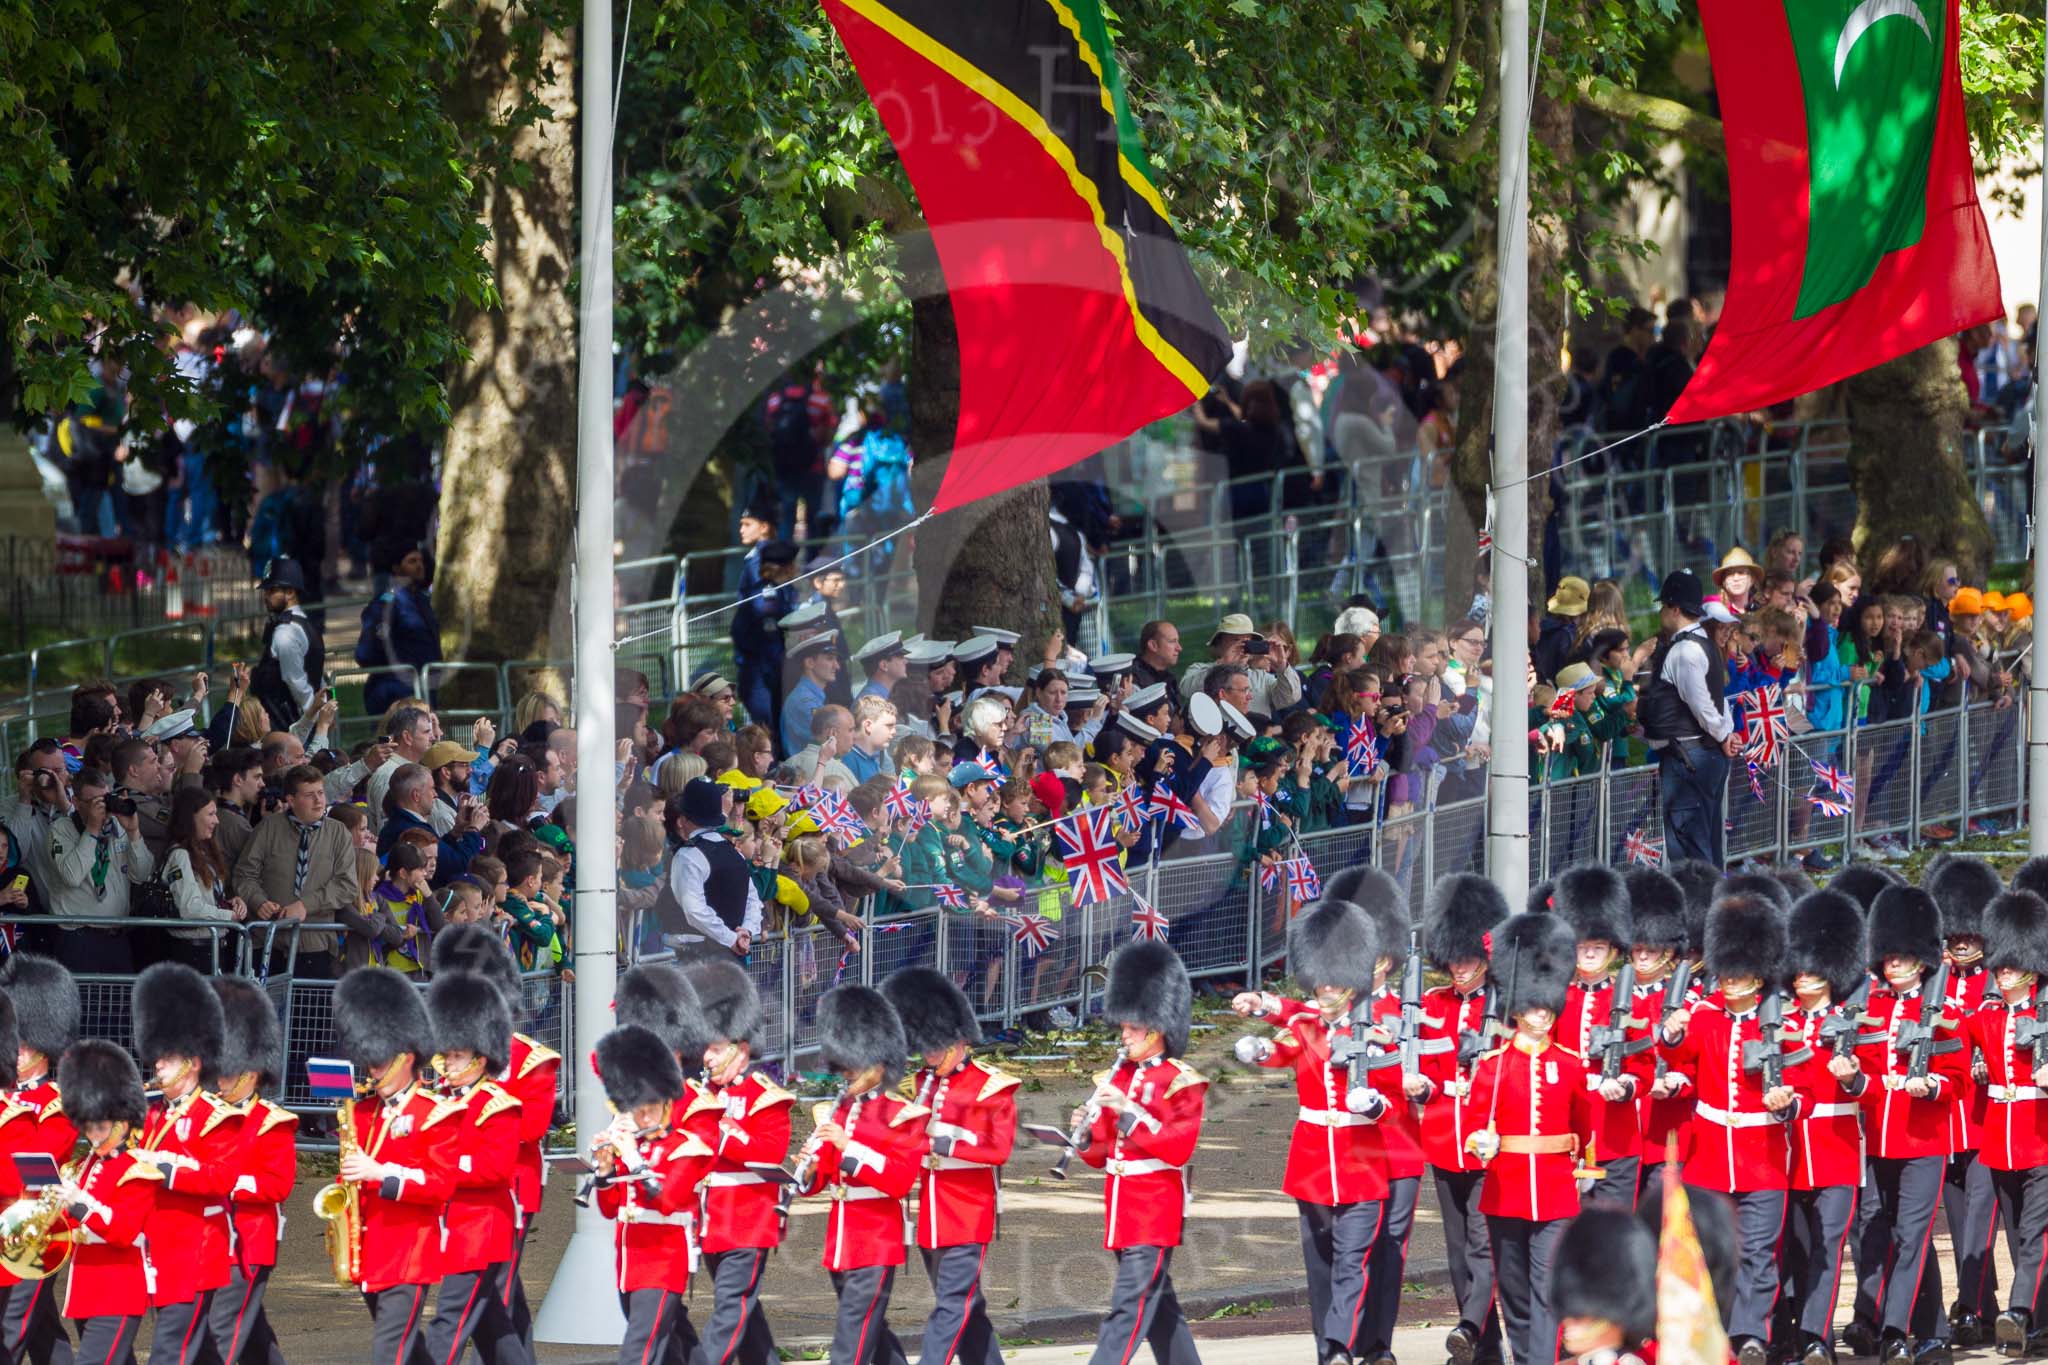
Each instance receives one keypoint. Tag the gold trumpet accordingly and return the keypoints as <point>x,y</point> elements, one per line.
<point>340,1206</point>
<point>28,1227</point>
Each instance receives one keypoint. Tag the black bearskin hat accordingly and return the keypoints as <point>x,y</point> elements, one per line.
<point>379,1014</point>
<point>469,1013</point>
<point>1753,884</point>
<point>1534,960</point>
<point>1149,987</point>
<point>1696,879</point>
<point>731,1005</point>
<point>46,1004</point>
<point>1334,943</point>
<point>2032,875</point>
<point>1463,909</point>
<point>1606,1268</point>
<point>1962,886</point>
<point>2016,933</point>
<point>253,1040</point>
<point>660,999</point>
<point>473,948</point>
<point>934,1011</point>
<point>1371,890</point>
<point>1593,899</point>
<point>1713,1218</point>
<point>1746,937</point>
<point>101,1085</point>
<point>1861,882</point>
<point>177,1014</point>
<point>637,1067</point>
<point>1656,907</point>
<point>1824,936</point>
<point>10,1045</point>
<point>1906,921</point>
<point>858,1029</point>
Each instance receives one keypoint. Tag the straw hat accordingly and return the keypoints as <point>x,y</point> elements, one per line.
<point>1570,598</point>
<point>1737,558</point>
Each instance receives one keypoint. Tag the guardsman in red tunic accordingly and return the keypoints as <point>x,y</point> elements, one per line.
<point>1604,1289</point>
<point>32,1119</point>
<point>1824,955</point>
<point>107,1198</point>
<point>1463,911</point>
<point>402,1164</point>
<point>472,1040</point>
<point>1336,1163</point>
<point>1914,1068</point>
<point>532,1077</point>
<point>1594,901</point>
<point>1667,938</point>
<point>648,1168</point>
<point>266,1170</point>
<point>1740,1145</point>
<point>1539,1117</point>
<point>2010,1034</point>
<point>1400,1127</point>
<point>972,1123</point>
<point>195,1140</point>
<point>1962,886</point>
<point>865,1156</point>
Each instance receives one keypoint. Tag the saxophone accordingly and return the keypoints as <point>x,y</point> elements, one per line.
<point>27,1228</point>
<point>340,1206</point>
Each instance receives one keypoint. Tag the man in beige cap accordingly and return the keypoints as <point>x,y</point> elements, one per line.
<point>449,763</point>
<point>1560,626</point>
<point>1236,642</point>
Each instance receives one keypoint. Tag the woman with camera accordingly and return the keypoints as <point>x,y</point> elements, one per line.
<point>196,873</point>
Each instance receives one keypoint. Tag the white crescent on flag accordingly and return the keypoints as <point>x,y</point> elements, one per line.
<point>1866,14</point>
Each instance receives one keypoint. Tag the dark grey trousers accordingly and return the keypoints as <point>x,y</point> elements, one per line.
<point>737,1332</point>
<point>2021,1198</point>
<point>1904,1295</point>
<point>657,1325</point>
<point>33,1332</point>
<point>1817,1224</point>
<point>958,1328</point>
<point>861,1336</point>
<point>1144,1310</point>
<point>471,1306</point>
<point>1384,1269</point>
<point>183,1332</point>
<point>1759,1228</point>
<point>1469,1250</point>
<point>108,1339</point>
<point>397,1325</point>
<point>1971,1207</point>
<point>241,1329</point>
<point>1337,1241</point>
<point>1617,1186</point>
<point>1523,1252</point>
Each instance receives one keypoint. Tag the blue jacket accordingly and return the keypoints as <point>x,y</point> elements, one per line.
<point>756,643</point>
<point>399,627</point>
<point>1827,677</point>
<point>455,849</point>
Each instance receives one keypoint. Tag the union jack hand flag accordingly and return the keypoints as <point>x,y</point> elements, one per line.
<point>1147,923</point>
<point>899,802</point>
<point>1166,805</point>
<point>1269,876</point>
<point>989,764</point>
<point>950,896</point>
<point>807,796</point>
<point>1639,847</point>
<point>845,961</point>
<point>1832,807</point>
<point>1302,881</point>
<point>1130,806</point>
<point>838,822</point>
<point>1564,704</point>
<point>1090,855</point>
<point>1764,726</point>
<point>1835,780</point>
<point>1263,804</point>
<point>1035,932</point>
<point>1756,780</point>
<point>1361,750</point>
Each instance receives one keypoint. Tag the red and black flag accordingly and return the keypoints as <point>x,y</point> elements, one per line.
<point>1079,317</point>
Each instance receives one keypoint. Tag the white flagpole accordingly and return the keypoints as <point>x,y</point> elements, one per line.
<point>2037,685</point>
<point>1507,783</point>
<point>582,1304</point>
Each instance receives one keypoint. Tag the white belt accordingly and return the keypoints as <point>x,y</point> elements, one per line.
<point>1728,1120</point>
<point>1896,1082</point>
<point>940,1129</point>
<point>735,1178</point>
<point>634,1214</point>
<point>850,1194</point>
<point>213,1210</point>
<point>954,1163</point>
<point>1332,1118</point>
<point>1832,1111</point>
<point>2008,1094</point>
<point>1143,1166</point>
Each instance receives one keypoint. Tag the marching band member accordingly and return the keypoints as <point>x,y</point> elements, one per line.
<point>648,1169</point>
<point>266,1170</point>
<point>1141,1126</point>
<point>2014,1150</point>
<point>1399,1129</point>
<point>1667,935</point>
<point>973,1126</point>
<point>532,1077</point>
<point>1464,909</point>
<point>195,1141</point>
<point>1539,1115</point>
<point>405,1170</point>
<point>1739,1144</point>
<point>1906,1124</point>
<point>865,1156</point>
<point>472,1043</point>
<point>1595,902</point>
<point>1824,957</point>
<point>1604,1289</point>
<point>107,1198</point>
<point>1962,886</point>
<point>32,1119</point>
<point>1336,1166</point>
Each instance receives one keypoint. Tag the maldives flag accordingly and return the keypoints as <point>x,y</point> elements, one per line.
<point>1857,232</point>
<point>1079,317</point>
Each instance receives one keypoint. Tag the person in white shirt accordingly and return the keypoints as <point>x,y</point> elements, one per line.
<point>196,871</point>
<point>708,879</point>
<point>96,856</point>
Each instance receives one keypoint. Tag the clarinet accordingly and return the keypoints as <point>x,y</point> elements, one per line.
<point>805,1161</point>
<point>1080,1133</point>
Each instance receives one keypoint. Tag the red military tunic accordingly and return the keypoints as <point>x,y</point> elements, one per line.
<point>266,1171</point>
<point>1449,1116</point>
<point>32,1120</point>
<point>111,1272</point>
<point>1540,1108</point>
<point>1966,991</point>
<point>2015,1134</point>
<point>1897,1124</point>
<point>654,1213</point>
<point>1145,1156</point>
<point>1617,1125</point>
<point>973,1126</point>
<point>1336,1156</point>
<point>1827,1136</point>
<point>531,1078</point>
<point>745,1124</point>
<point>868,1179</point>
<point>1400,1128</point>
<point>402,1213</point>
<point>1661,1120</point>
<point>198,1142</point>
<point>482,1218</point>
<point>1737,1145</point>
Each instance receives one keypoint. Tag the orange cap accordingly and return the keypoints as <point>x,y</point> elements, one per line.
<point>1994,600</point>
<point>1966,602</point>
<point>2019,606</point>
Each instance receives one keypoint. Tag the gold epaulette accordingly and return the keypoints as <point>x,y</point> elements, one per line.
<point>140,1170</point>
<point>220,1113</point>
<point>701,1100</point>
<point>692,1145</point>
<point>905,1113</point>
<point>1568,1052</point>
<point>273,1115</point>
<point>997,1083</point>
<point>53,1108</point>
<point>1184,1077</point>
<point>771,1095</point>
<point>537,1054</point>
<point>443,1109</point>
<point>497,1101</point>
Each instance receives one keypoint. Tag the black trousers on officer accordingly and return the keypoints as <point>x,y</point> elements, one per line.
<point>657,1325</point>
<point>958,1328</point>
<point>1759,1228</point>
<point>861,1336</point>
<point>513,1296</point>
<point>1618,1185</point>
<point>397,1325</point>
<point>183,1332</point>
<point>1144,1310</point>
<point>1384,1270</point>
<point>1469,1250</point>
<point>2021,1198</point>
<point>737,1333</point>
<point>1337,1242</point>
<point>1970,1205</point>
<point>241,1329</point>
<point>1817,1226</point>
<point>108,1338</point>
<point>1869,1244</point>
<point>471,1306</point>
<point>30,1327</point>
<point>1904,1296</point>
<point>1523,1252</point>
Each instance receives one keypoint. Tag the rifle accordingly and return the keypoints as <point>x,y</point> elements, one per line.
<point>1765,1053</point>
<point>1610,1042</point>
<point>1493,1028</point>
<point>1676,987</point>
<point>2032,1033</point>
<point>1410,1046</point>
<point>1839,1030</point>
<point>1916,1037</point>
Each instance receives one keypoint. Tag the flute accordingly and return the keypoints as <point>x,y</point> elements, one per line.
<point>806,1159</point>
<point>1080,1134</point>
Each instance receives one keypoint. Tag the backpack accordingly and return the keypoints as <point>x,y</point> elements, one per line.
<point>790,440</point>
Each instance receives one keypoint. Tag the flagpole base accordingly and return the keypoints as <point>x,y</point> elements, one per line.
<point>582,1303</point>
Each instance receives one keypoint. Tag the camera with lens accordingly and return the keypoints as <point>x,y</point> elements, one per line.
<point>270,798</point>
<point>120,801</point>
<point>1258,646</point>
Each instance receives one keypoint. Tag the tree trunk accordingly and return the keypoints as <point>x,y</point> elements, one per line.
<point>1906,460</point>
<point>509,473</point>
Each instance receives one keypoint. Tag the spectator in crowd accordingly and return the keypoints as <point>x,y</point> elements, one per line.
<point>1256,440</point>
<point>294,656</point>
<point>757,648</point>
<point>399,628</point>
<point>1685,716</point>
<point>885,661</point>
<point>300,866</point>
<point>1559,627</point>
<point>1273,686</point>
<point>874,730</point>
<point>1622,400</point>
<point>1158,657</point>
<point>832,734</point>
<point>820,665</point>
<point>411,730</point>
<point>96,853</point>
<point>139,775</point>
<point>235,777</point>
<point>800,423</point>
<point>94,711</point>
<point>708,878</point>
<point>1736,581</point>
<point>196,872</point>
<point>450,765</point>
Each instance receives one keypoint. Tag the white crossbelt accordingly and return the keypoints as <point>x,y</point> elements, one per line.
<point>735,1178</point>
<point>1832,1111</point>
<point>1143,1166</point>
<point>853,1194</point>
<point>1332,1118</point>
<point>1728,1120</point>
<point>2009,1094</point>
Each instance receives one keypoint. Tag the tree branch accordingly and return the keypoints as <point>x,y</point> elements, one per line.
<point>1654,111</point>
